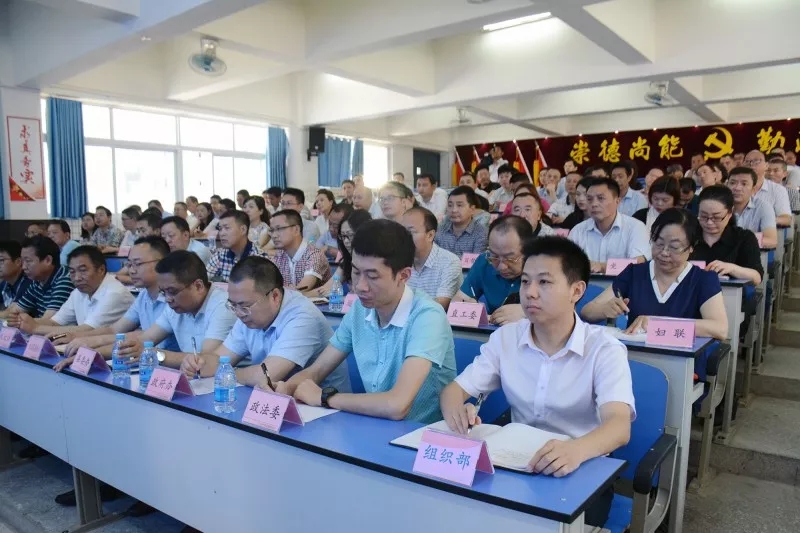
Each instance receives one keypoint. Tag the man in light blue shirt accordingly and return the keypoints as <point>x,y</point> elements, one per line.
<point>175,231</point>
<point>278,331</point>
<point>631,201</point>
<point>399,337</point>
<point>60,232</point>
<point>197,315</point>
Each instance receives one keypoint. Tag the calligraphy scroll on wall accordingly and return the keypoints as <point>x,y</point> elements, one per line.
<point>26,165</point>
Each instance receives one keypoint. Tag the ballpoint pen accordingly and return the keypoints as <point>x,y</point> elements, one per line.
<point>477,410</point>
<point>194,349</point>
<point>59,336</point>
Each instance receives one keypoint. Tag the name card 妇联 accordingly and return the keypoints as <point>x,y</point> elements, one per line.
<point>10,337</point>
<point>699,264</point>
<point>165,382</point>
<point>452,457</point>
<point>467,260</point>
<point>268,410</point>
<point>467,314</point>
<point>672,332</point>
<point>349,300</point>
<point>39,346</point>
<point>615,266</point>
<point>86,360</point>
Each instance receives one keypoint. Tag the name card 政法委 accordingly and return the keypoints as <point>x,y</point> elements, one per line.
<point>39,346</point>
<point>124,251</point>
<point>672,332</point>
<point>452,457</point>
<point>349,300</point>
<point>760,239</point>
<point>10,337</point>
<point>165,382</point>
<point>699,264</point>
<point>615,266</point>
<point>467,260</point>
<point>87,360</point>
<point>467,314</point>
<point>268,410</point>
<point>561,232</point>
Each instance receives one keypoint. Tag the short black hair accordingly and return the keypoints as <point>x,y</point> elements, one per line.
<point>132,211</point>
<point>192,199</point>
<point>627,166</point>
<point>469,192</point>
<point>243,192</point>
<point>292,217</point>
<point>400,174</point>
<point>679,217</point>
<point>229,204</point>
<point>428,176</point>
<point>574,261</point>
<point>274,191</point>
<point>106,210</point>
<point>298,194</point>
<point>719,193</point>
<point>342,208</point>
<point>239,216</point>
<point>155,201</point>
<point>152,211</point>
<point>156,243</point>
<point>512,223</point>
<point>351,182</point>
<point>216,197</point>
<point>505,168</point>
<point>431,224</point>
<point>687,185</point>
<point>778,161</point>
<point>41,225</point>
<point>94,254</point>
<point>744,170</point>
<point>61,223</point>
<point>612,185</point>
<point>43,247</point>
<point>675,167</point>
<point>182,204</point>
<point>186,266</point>
<point>520,177</point>
<point>387,240</point>
<point>153,220</point>
<point>12,248</point>
<point>180,223</point>
<point>327,194</point>
<point>665,185</point>
<point>261,270</point>
<point>586,182</point>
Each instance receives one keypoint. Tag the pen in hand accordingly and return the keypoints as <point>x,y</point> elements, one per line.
<point>477,410</point>
<point>194,349</point>
<point>59,336</point>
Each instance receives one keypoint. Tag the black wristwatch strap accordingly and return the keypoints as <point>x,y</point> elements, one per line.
<point>327,394</point>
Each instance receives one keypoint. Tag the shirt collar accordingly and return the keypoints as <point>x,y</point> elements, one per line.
<point>629,194</point>
<point>101,289</point>
<point>575,344</point>
<point>288,295</point>
<point>202,309</point>
<point>247,251</point>
<point>401,313</point>
<point>430,262</point>
<point>616,224</point>
<point>299,253</point>
<point>682,275</point>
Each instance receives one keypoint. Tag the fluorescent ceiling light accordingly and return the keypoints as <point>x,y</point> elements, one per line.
<point>517,22</point>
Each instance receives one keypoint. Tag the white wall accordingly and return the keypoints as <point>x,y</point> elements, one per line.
<point>300,172</point>
<point>401,159</point>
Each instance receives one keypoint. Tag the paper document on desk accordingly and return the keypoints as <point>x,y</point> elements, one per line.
<point>61,348</point>
<point>309,413</point>
<point>618,334</point>
<point>511,446</point>
<point>204,386</point>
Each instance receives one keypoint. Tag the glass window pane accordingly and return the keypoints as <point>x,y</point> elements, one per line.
<point>212,134</point>
<point>46,159</point>
<point>96,122</point>
<point>44,115</point>
<point>376,165</point>
<point>250,174</point>
<point>250,138</point>
<point>99,177</point>
<point>223,177</point>
<point>198,174</point>
<point>143,175</point>
<point>144,127</point>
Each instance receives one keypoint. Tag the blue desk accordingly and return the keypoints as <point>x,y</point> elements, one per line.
<point>152,449</point>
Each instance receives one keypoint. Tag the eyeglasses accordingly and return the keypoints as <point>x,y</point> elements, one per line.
<point>753,162</point>
<point>243,310</point>
<point>285,203</point>
<point>496,260</point>
<point>347,236</point>
<point>172,294</point>
<point>273,231</point>
<point>716,219</point>
<point>136,266</point>
<point>387,199</point>
<point>659,247</point>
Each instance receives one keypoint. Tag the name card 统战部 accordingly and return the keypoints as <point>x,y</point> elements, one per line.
<point>86,360</point>
<point>165,382</point>
<point>467,260</point>
<point>269,410</point>
<point>452,457</point>
<point>671,332</point>
<point>39,346</point>
<point>615,266</point>
<point>467,314</point>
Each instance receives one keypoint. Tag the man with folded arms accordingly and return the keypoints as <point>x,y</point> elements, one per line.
<point>400,338</point>
<point>278,331</point>
<point>558,373</point>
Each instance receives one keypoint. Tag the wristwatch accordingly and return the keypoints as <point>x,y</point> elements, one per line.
<point>160,356</point>
<point>327,394</point>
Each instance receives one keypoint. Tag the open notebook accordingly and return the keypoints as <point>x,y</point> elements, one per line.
<point>619,334</point>
<point>510,446</point>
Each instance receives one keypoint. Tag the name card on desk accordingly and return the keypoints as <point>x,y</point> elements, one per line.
<point>452,457</point>
<point>165,382</point>
<point>349,300</point>
<point>38,346</point>
<point>677,333</point>
<point>10,337</point>
<point>87,360</point>
<point>467,314</point>
<point>615,266</point>
<point>220,285</point>
<point>562,232</point>
<point>467,260</point>
<point>268,410</point>
<point>124,251</point>
<point>760,239</point>
<point>699,264</point>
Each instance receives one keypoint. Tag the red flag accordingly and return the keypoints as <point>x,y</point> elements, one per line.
<point>458,170</point>
<point>519,162</point>
<point>476,160</point>
<point>538,164</point>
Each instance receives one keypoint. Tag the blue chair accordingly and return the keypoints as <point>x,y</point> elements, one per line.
<point>356,385</point>
<point>650,454</point>
<point>592,292</point>
<point>114,264</point>
<point>495,404</point>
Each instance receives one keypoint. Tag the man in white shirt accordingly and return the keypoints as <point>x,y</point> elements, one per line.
<point>792,170</point>
<point>768,192</point>
<point>609,234</point>
<point>697,161</point>
<point>97,301</point>
<point>751,212</point>
<point>496,154</point>
<point>175,231</point>
<point>362,199</point>
<point>630,201</point>
<point>430,196</point>
<point>500,197</point>
<point>558,373</point>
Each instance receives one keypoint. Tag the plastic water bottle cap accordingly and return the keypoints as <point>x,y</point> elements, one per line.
<point>224,359</point>
<point>148,344</point>
<point>336,278</point>
<point>120,336</point>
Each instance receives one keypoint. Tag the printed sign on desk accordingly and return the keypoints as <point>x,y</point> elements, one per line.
<point>467,314</point>
<point>451,457</point>
<point>10,337</point>
<point>268,410</point>
<point>699,264</point>
<point>349,300</point>
<point>760,239</point>
<point>165,382</point>
<point>676,333</point>
<point>615,266</point>
<point>220,285</point>
<point>38,346</point>
<point>87,360</point>
<point>467,260</point>
<point>124,251</point>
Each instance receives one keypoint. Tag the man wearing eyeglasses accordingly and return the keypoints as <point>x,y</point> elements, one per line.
<point>495,275</point>
<point>395,199</point>
<point>767,191</point>
<point>147,307</point>
<point>234,245</point>
<point>301,264</point>
<point>751,213</point>
<point>278,331</point>
<point>295,199</point>
<point>197,315</point>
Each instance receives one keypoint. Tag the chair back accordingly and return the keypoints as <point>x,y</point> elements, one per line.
<point>495,404</point>
<point>114,264</point>
<point>592,292</point>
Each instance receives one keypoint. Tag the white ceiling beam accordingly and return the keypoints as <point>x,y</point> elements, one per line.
<point>120,11</point>
<point>689,95</point>
<point>510,120</point>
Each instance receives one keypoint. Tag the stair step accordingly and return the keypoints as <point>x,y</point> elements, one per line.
<point>787,330</point>
<point>779,375</point>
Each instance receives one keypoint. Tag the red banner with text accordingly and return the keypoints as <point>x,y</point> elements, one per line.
<point>650,148</point>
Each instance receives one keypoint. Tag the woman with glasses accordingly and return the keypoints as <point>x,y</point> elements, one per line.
<point>664,193</point>
<point>347,230</point>
<point>256,211</point>
<point>666,286</point>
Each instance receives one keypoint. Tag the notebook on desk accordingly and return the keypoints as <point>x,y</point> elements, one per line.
<point>620,335</point>
<point>511,446</point>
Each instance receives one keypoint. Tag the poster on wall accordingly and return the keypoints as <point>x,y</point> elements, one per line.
<point>26,166</point>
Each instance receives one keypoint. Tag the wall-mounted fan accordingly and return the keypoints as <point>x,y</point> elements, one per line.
<point>206,62</point>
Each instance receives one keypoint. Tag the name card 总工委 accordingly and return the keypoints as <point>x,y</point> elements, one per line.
<point>268,410</point>
<point>467,314</point>
<point>452,457</point>
<point>615,266</point>
<point>671,332</point>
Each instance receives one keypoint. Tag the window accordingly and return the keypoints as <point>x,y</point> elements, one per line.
<point>99,177</point>
<point>209,134</point>
<point>198,174</point>
<point>223,177</point>
<point>250,174</point>
<point>250,138</point>
<point>144,175</point>
<point>139,126</point>
<point>376,165</point>
<point>96,122</point>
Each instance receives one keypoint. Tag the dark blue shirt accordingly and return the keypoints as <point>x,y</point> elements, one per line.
<point>11,292</point>
<point>484,280</point>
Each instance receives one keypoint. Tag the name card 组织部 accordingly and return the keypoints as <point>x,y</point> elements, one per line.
<point>452,457</point>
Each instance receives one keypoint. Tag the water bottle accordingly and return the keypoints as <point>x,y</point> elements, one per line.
<point>119,364</point>
<point>225,387</point>
<point>147,363</point>
<point>336,298</point>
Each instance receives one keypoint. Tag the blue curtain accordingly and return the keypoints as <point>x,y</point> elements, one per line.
<point>67,158</point>
<point>277,150</point>
<point>334,162</point>
<point>358,158</point>
<point>2,180</point>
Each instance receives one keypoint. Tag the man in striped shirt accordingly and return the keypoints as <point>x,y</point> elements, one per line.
<point>50,282</point>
